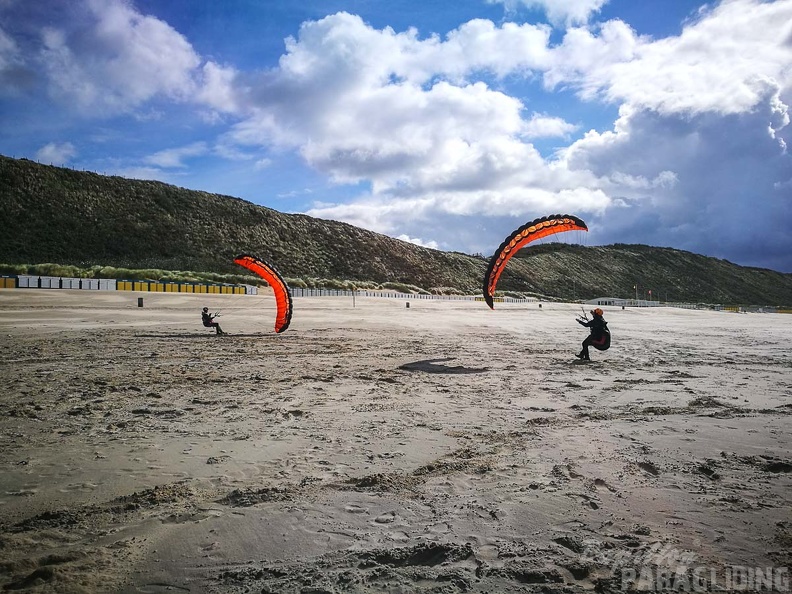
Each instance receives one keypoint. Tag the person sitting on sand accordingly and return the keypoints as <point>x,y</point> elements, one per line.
<point>208,321</point>
<point>599,337</point>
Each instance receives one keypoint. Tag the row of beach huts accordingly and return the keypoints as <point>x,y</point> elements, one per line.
<point>23,281</point>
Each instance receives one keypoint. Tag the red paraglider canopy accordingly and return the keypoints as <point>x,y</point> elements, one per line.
<point>282,296</point>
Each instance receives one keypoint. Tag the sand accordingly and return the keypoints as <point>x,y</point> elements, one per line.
<point>442,447</point>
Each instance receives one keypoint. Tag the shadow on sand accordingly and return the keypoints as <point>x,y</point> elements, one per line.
<point>431,366</point>
<point>583,362</point>
<point>200,335</point>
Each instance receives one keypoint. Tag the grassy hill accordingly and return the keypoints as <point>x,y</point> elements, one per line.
<point>52,214</point>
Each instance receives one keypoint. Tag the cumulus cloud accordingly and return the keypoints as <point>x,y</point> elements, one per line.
<point>426,215</point>
<point>544,126</point>
<point>54,153</point>
<point>437,149</point>
<point>104,57</point>
<point>120,59</point>
<point>559,12</point>
<point>217,87</point>
<point>709,183</point>
<point>727,61</point>
<point>366,105</point>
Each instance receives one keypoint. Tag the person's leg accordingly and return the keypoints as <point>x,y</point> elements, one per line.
<point>585,351</point>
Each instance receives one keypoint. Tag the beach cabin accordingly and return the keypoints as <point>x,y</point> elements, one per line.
<point>619,302</point>
<point>49,282</point>
<point>69,283</point>
<point>607,301</point>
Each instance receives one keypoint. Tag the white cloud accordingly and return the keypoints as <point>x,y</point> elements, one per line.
<point>544,126</point>
<point>262,164</point>
<point>559,12</point>
<point>174,158</point>
<point>727,61</point>
<point>296,193</point>
<point>479,45</point>
<point>141,173</point>
<point>232,152</point>
<point>55,153</point>
<point>455,150</point>
<point>362,104</point>
<point>217,87</point>
<point>385,215</point>
<point>418,241</point>
<point>367,105</point>
<point>15,74</point>
<point>118,59</point>
<point>707,184</point>
<point>9,52</point>
<point>104,57</point>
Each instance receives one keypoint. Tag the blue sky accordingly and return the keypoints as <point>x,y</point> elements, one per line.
<point>447,124</point>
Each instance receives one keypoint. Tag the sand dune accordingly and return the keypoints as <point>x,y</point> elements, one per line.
<point>440,448</point>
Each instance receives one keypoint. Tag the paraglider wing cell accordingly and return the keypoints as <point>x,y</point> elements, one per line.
<point>536,229</point>
<point>282,296</point>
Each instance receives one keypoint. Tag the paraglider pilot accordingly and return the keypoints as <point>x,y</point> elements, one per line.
<point>208,320</point>
<point>599,336</point>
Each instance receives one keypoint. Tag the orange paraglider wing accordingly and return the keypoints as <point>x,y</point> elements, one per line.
<point>282,296</point>
<point>536,229</point>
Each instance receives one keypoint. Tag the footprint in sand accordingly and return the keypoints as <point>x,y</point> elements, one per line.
<point>601,483</point>
<point>22,493</point>
<point>441,528</point>
<point>397,536</point>
<point>81,487</point>
<point>161,587</point>
<point>355,509</point>
<point>649,467</point>
<point>386,518</point>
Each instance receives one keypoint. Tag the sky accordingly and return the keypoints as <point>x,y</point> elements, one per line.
<point>446,124</point>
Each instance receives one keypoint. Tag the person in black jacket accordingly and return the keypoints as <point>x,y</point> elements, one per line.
<point>208,321</point>
<point>599,336</point>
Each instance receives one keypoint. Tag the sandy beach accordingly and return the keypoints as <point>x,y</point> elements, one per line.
<point>373,447</point>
